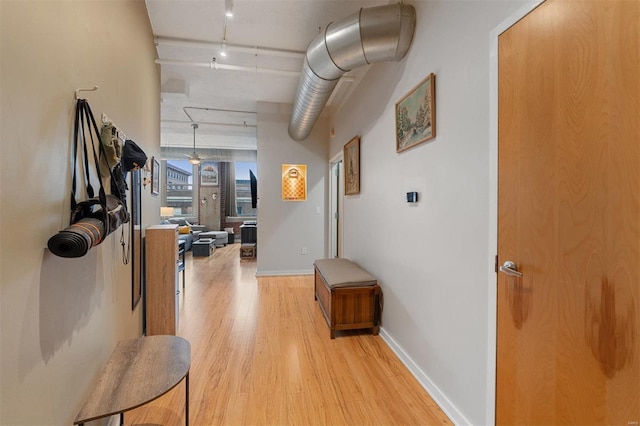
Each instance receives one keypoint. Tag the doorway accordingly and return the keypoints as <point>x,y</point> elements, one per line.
<point>335,208</point>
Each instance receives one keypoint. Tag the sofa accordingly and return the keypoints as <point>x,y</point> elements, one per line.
<point>187,231</point>
<point>187,236</point>
<point>221,237</point>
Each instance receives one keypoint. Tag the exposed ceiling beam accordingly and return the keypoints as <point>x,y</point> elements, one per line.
<point>267,51</point>
<point>214,65</point>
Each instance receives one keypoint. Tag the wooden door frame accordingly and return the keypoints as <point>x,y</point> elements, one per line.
<point>492,278</point>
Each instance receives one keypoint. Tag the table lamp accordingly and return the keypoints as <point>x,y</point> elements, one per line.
<point>166,212</point>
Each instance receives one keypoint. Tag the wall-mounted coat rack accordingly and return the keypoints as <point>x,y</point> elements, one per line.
<point>84,90</point>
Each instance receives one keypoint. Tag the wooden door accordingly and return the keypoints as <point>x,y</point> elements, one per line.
<point>569,215</point>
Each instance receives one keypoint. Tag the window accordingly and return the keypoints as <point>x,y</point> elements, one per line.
<point>179,188</point>
<point>243,189</point>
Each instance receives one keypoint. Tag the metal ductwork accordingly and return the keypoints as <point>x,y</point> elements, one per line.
<point>371,35</point>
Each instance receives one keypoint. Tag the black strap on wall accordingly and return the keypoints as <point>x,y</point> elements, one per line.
<point>87,123</point>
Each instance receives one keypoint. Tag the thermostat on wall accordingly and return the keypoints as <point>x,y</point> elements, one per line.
<point>412,197</point>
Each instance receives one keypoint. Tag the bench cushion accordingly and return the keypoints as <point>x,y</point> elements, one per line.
<point>343,273</point>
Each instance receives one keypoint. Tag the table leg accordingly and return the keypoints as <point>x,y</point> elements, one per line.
<point>122,419</point>
<point>186,408</point>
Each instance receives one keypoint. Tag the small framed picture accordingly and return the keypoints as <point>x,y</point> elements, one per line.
<point>416,115</point>
<point>155,176</point>
<point>294,182</point>
<point>209,173</point>
<point>352,167</point>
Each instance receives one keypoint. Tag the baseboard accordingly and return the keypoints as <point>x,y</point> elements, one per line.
<point>284,273</point>
<point>438,396</point>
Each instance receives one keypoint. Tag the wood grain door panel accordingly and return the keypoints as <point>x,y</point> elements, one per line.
<point>569,215</point>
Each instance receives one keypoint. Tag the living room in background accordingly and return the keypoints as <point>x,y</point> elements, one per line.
<point>231,188</point>
<point>179,189</point>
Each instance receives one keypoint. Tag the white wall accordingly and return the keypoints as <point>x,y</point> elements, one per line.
<point>284,227</point>
<point>431,258</point>
<point>61,318</point>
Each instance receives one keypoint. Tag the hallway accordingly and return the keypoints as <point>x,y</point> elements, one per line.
<point>261,354</point>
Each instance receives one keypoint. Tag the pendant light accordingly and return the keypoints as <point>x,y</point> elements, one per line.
<point>194,158</point>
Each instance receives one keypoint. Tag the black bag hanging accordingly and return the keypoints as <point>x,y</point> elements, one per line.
<point>133,157</point>
<point>93,219</point>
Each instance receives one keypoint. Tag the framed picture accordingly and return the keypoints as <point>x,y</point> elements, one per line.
<point>416,115</point>
<point>155,176</point>
<point>352,167</point>
<point>209,173</point>
<point>294,182</point>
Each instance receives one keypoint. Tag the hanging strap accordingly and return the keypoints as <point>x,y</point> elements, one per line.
<point>102,196</point>
<point>126,247</point>
<point>87,123</point>
<point>75,155</point>
<point>77,131</point>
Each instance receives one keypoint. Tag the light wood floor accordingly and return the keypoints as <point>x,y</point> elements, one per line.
<point>261,355</point>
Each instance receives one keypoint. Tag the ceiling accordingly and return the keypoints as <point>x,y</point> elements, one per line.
<point>265,42</point>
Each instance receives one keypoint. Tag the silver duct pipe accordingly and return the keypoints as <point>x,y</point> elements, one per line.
<point>371,35</point>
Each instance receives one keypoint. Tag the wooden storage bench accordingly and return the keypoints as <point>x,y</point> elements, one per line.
<point>349,297</point>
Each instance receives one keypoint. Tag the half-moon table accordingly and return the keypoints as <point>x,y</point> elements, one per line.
<point>138,371</point>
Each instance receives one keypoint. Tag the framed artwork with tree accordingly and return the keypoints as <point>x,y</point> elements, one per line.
<point>352,166</point>
<point>416,115</point>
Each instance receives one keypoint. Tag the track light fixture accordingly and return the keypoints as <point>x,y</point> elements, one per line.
<point>228,8</point>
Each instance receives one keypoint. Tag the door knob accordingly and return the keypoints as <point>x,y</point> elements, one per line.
<point>511,269</point>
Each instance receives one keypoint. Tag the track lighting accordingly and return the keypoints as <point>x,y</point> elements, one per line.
<point>228,8</point>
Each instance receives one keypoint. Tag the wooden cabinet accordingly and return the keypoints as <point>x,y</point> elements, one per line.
<point>162,291</point>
